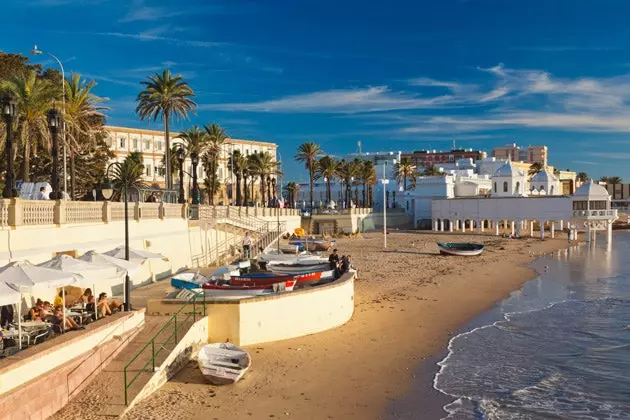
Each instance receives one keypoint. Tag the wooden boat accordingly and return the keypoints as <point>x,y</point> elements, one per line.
<point>188,281</point>
<point>311,243</point>
<point>223,363</point>
<point>299,266</point>
<point>462,249</point>
<point>265,258</point>
<point>217,288</point>
<point>302,279</point>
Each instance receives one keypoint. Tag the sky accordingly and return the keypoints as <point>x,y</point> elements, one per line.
<point>397,75</point>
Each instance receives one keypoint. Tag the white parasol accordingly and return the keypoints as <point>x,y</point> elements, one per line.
<point>134,254</point>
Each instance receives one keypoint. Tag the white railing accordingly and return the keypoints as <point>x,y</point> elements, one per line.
<point>83,211</point>
<point>118,211</point>
<point>38,213</point>
<point>4,212</point>
<point>172,211</point>
<point>149,211</point>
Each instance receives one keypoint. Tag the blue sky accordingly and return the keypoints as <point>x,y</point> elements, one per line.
<point>397,75</point>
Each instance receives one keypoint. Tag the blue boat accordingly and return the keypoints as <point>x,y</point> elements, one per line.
<point>188,281</point>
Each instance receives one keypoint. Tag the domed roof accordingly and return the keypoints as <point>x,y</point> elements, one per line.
<point>508,170</point>
<point>592,191</point>
<point>544,176</point>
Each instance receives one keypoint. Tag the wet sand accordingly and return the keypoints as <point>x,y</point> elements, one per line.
<point>409,302</point>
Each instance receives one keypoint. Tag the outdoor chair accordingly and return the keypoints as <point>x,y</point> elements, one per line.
<point>39,336</point>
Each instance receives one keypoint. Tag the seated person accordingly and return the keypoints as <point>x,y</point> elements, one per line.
<point>58,300</point>
<point>87,294</point>
<point>35,313</point>
<point>89,305</point>
<point>103,306</point>
<point>70,324</point>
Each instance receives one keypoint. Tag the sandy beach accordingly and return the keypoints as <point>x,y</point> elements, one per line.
<point>409,301</point>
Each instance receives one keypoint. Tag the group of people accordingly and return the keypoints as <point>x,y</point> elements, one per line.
<point>341,264</point>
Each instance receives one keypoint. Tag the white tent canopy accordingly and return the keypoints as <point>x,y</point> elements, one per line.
<point>134,254</point>
<point>91,272</point>
<point>102,259</point>
<point>26,275</point>
<point>9,295</point>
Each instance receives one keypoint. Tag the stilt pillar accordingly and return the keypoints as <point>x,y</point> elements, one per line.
<point>519,228</point>
<point>531,228</point>
<point>441,225</point>
<point>481,225</point>
<point>588,233</point>
<point>561,225</point>
<point>512,227</point>
<point>553,231</point>
<point>464,226</point>
<point>496,227</point>
<point>435,225</point>
<point>450,225</point>
<point>542,229</point>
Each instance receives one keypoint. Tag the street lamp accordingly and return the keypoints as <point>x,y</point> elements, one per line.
<point>54,124</point>
<point>8,107</point>
<point>181,155</point>
<point>107,190</point>
<point>385,181</point>
<point>37,51</point>
<point>194,158</point>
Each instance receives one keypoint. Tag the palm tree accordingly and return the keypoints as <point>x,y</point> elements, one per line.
<point>264,165</point>
<point>615,180</point>
<point>127,175</point>
<point>367,173</point>
<point>237,163</point>
<point>582,177</point>
<point>535,168</point>
<point>292,190</point>
<point>605,179</point>
<point>404,170</point>
<point>194,142</point>
<point>308,153</point>
<point>83,118</point>
<point>165,96</point>
<point>216,138</point>
<point>327,169</point>
<point>346,172</point>
<point>34,97</point>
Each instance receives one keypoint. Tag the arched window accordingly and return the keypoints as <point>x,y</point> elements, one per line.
<point>518,188</point>
<point>495,187</point>
<point>505,186</point>
<point>542,188</point>
<point>551,190</point>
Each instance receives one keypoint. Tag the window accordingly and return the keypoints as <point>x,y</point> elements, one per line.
<point>505,186</point>
<point>451,158</point>
<point>580,205</point>
<point>518,188</point>
<point>135,143</point>
<point>123,142</point>
<point>159,145</point>
<point>495,187</point>
<point>161,171</point>
<point>551,190</point>
<point>148,169</point>
<point>147,144</point>
<point>542,188</point>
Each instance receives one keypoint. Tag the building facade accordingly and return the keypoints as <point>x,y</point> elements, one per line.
<point>427,158</point>
<point>517,153</point>
<point>123,141</point>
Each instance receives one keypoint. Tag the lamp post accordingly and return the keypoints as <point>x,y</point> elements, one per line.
<point>37,51</point>
<point>107,190</point>
<point>194,158</point>
<point>8,107</point>
<point>385,182</point>
<point>181,155</point>
<point>54,124</point>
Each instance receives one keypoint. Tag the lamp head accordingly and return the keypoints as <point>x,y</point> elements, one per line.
<point>54,119</point>
<point>36,51</point>
<point>8,106</point>
<point>107,189</point>
<point>181,154</point>
<point>194,158</point>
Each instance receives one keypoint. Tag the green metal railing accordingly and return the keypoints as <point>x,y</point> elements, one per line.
<point>176,324</point>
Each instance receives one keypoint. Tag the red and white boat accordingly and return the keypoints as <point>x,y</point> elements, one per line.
<point>265,278</point>
<point>227,289</point>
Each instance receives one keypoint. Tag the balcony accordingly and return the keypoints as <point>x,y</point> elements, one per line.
<point>595,214</point>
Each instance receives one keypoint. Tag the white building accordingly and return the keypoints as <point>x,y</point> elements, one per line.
<point>545,183</point>
<point>509,181</point>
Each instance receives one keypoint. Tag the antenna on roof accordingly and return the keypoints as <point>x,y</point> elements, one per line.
<point>359,146</point>
<point>454,148</point>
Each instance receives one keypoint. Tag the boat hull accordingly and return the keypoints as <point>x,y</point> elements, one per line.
<point>283,268</point>
<point>212,289</point>
<point>188,281</point>
<point>302,279</point>
<point>463,249</point>
<point>312,244</point>
<point>223,363</point>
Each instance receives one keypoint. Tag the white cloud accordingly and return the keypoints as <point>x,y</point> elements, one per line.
<point>138,11</point>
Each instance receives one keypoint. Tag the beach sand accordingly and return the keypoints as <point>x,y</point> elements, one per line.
<point>409,301</point>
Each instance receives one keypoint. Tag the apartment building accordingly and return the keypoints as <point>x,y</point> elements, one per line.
<point>517,153</point>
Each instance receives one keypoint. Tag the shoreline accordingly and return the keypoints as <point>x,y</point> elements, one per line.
<point>409,302</point>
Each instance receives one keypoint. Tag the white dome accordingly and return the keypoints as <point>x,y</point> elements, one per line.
<point>592,191</point>
<point>544,176</point>
<point>508,170</point>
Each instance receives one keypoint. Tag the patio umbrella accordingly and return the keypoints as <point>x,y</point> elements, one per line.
<point>91,272</point>
<point>9,295</point>
<point>134,254</point>
<point>123,266</point>
<point>25,276</point>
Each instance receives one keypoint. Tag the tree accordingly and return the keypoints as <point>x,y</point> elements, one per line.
<point>34,97</point>
<point>432,171</point>
<point>216,138</point>
<point>404,170</point>
<point>14,65</point>
<point>615,180</point>
<point>194,143</point>
<point>84,121</point>
<point>292,190</point>
<point>237,163</point>
<point>308,154</point>
<point>327,169</point>
<point>128,174</point>
<point>582,177</point>
<point>605,179</point>
<point>264,166</point>
<point>535,168</point>
<point>164,97</point>
<point>346,172</point>
<point>367,173</point>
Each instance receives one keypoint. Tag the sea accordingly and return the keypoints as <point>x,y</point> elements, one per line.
<point>558,348</point>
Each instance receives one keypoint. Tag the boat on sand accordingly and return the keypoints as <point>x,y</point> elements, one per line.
<point>298,266</point>
<point>223,363</point>
<point>466,249</point>
<point>266,277</point>
<point>221,288</point>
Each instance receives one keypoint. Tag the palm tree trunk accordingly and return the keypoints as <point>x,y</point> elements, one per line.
<point>238,189</point>
<point>245,192</point>
<point>72,176</point>
<point>167,138</point>
<point>213,179</point>
<point>262,190</point>
<point>311,176</point>
<point>26,173</point>
<point>364,195</point>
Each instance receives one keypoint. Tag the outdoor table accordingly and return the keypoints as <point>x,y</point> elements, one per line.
<point>15,335</point>
<point>34,324</point>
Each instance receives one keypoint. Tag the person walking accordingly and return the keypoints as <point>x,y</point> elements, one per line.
<point>247,246</point>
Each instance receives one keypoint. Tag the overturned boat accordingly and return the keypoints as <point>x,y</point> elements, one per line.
<point>223,363</point>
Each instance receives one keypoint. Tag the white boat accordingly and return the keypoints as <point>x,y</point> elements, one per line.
<point>466,249</point>
<point>223,363</point>
<point>267,257</point>
<point>298,266</point>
